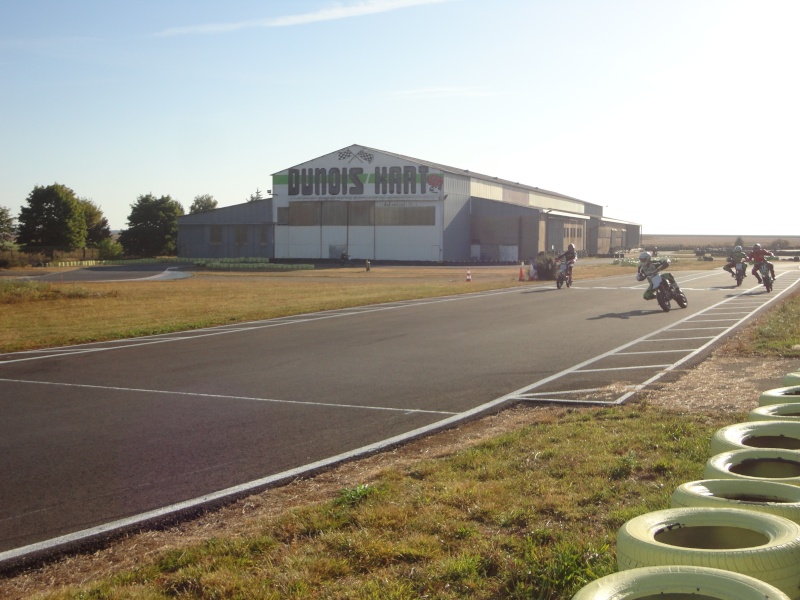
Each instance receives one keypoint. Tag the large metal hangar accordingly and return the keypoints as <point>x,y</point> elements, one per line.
<point>383,206</point>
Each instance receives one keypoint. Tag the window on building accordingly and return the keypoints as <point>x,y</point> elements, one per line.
<point>405,215</point>
<point>334,213</point>
<point>304,214</point>
<point>283,215</point>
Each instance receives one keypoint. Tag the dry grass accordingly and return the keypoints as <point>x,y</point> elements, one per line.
<point>72,313</point>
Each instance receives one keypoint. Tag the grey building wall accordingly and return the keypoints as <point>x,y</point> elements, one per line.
<point>230,232</point>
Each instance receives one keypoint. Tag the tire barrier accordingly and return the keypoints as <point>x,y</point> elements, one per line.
<point>760,545</point>
<point>757,434</point>
<point>780,412</point>
<point>791,379</point>
<point>782,395</point>
<point>769,497</point>
<point>755,464</point>
<point>676,581</point>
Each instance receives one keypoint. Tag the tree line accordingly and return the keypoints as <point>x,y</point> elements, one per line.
<point>54,217</point>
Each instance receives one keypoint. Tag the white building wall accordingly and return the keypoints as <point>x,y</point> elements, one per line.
<point>484,189</point>
<point>362,243</point>
<point>408,243</point>
<point>304,242</point>
<point>543,201</point>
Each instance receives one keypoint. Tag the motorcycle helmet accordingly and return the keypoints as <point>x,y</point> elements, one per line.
<point>756,246</point>
<point>737,249</point>
<point>644,257</point>
<point>571,247</point>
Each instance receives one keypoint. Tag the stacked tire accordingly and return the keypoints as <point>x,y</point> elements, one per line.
<point>734,534</point>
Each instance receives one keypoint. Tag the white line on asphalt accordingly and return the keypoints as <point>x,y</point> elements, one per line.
<point>225,397</point>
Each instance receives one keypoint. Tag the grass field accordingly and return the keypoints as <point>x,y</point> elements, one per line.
<point>35,315</point>
<point>714,241</point>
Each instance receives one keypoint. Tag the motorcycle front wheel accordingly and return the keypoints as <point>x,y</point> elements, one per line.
<point>768,283</point>
<point>681,299</point>
<point>559,281</point>
<point>662,297</point>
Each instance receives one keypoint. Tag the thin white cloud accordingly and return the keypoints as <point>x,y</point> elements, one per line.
<point>337,11</point>
<point>445,92</point>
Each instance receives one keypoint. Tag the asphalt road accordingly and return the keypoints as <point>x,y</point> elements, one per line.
<point>106,436</point>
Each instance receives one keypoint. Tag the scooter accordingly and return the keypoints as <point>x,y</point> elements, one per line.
<point>565,274</point>
<point>741,272</point>
<point>667,289</point>
<point>766,275</point>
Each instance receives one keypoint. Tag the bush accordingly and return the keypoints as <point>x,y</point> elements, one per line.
<point>546,265</point>
<point>109,249</point>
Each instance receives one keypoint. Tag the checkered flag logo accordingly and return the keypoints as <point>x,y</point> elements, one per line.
<point>365,156</point>
<point>345,154</point>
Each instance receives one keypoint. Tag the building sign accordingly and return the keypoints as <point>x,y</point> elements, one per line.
<point>345,173</point>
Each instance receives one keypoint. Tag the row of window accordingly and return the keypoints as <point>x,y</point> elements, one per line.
<point>354,214</point>
<point>240,233</point>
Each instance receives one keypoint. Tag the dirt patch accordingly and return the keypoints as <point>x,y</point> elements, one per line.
<point>722,383</point>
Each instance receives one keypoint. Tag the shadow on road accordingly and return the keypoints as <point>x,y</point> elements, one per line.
<point>625,315</point>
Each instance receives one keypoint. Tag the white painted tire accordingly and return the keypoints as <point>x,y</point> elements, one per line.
<point>781,395</point>
<point>759,545</point>
<point>780,412</point>
<point>755,464</point>
<point>769,497</point>
<point>757,434</point>
<point>677,581</point>
<point>791,379</point>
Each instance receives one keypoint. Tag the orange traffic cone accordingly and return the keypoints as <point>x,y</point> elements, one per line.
<point>469,275</point>
<point>521,274</point>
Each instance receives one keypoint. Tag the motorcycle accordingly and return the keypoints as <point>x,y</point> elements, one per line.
<point>766,275</point>
<point>667,289</point>
<point>565,274</point>
<point>741,272</point>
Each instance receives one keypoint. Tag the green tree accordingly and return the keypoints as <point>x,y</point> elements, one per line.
<point>7,229</point>
<point>739,242</point>
<point>256,196</point>
<point>52,219</point>
<point>152,227</point>
<point>780,244</point>
<point>202,203</point>
<point>109,249</point>
<point>97,228</point>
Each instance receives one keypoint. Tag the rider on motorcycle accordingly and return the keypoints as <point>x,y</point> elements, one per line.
<point>735,258</point>
<point>647,268</point>
<point>758,255</point>
<point>570,256</point>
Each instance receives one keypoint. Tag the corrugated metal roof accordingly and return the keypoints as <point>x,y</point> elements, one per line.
<point>464,172</point>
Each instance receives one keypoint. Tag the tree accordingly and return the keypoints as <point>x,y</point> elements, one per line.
<point>7,229</point>
<point>152,227</point>
<point>202,203</point>
<point>53,219</point>
<point>780,243</point>
<point>739,242</point>
<point>97,228</point>
<point>256,196</point>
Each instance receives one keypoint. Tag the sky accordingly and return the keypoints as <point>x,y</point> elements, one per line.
<point>680,115</point>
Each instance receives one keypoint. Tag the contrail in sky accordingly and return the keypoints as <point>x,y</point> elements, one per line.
<point>338,11</point>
